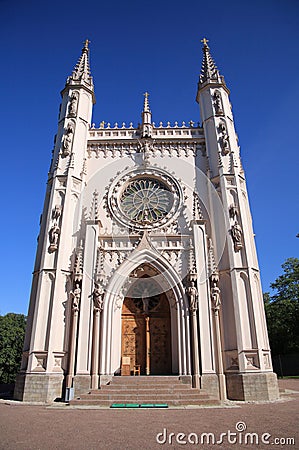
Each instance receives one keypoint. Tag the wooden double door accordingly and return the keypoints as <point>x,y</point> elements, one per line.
<point>146,334</point>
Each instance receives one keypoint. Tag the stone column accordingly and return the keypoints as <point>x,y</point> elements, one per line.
<point>75,295</point>
<point>193,307</point>
<point>97,297</point>
<point>216,302</point>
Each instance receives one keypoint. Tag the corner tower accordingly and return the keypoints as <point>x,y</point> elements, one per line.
<point>247,360</point>
<point>45,349</point>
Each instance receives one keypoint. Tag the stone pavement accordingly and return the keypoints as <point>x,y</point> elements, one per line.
<point>28,427</point>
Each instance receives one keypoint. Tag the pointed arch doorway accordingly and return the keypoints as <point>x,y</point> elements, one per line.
<point>146,332</point>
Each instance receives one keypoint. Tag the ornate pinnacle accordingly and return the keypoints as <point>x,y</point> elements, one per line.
<point>81,71</point>
<point>146,107</point>
<point>146,127</point>
<point>209,72</point>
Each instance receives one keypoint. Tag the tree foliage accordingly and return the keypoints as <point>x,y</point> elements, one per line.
<point>12,333</point>
<point>282,310</point>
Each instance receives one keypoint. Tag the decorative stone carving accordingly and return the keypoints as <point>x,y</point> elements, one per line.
<point>193,297</point>
<point>236,232</point>
<point>233,212</point>
<point>56,213</point>
<point>78,266</point>
<point>267,363</point>
<point>197,214</point>
<point>146,148</point>
<point>218,103</point>
<point>97,297</point>
<point>75,296</point>
<point>215,292</point>
<point>224,139</point>
<point>41,361</point>
<point>115,149</point>
<point>119,301</point>
<point>54,236</point>
<point>251,360</point>
<point>73,105</point>
<point>67,141</point>
<point>58,356</point>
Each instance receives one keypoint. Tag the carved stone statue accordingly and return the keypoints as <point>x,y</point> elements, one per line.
<point>225,143</point>
<point>193,296</point>
<point>218,103</point>
<point>73,104</point>
<point>146,132</point>
<point>75,295</point>
<point>54,234</point>
<point>215,291</point>
<point>97,296</point>
<point>56,213</point>
<point>224,138</point>
<point>67,141</point>
<point>236,231</point>
<point>215,297</point>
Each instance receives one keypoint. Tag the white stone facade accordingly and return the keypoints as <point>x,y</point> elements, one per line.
<point>159,208</point>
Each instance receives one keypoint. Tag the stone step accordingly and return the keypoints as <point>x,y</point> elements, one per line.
<point>172,402</point>
<point>145,380</point>
<point>144,397</point>
<point>162,389</point>
<point>130,388</point>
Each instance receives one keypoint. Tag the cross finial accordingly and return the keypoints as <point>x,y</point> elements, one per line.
<point>86,43</point>
<point>205,42</point>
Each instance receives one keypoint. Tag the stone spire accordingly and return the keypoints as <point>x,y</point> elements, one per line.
<point>146,127</point>
<point>81,72</point>
<point>209,72</point>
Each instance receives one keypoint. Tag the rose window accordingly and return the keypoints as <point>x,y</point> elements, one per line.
<point>146,201</point>
<point>145,198</point>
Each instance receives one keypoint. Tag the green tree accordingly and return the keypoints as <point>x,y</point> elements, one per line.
<point>282,310</point>
<point>12,333</point>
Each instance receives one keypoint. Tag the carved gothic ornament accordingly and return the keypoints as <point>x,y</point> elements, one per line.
<point>53,237</point>
<point>145,198</point>
<point>224,138</point>
<point>236,233</point>
<point>158,148</point>
<point>73,104</point>
<point>193,297</point>
<point>97,297</point>
<point>215,292</point>
<point>67,140</point>
<point>75,296</point>
<point>218,103</point>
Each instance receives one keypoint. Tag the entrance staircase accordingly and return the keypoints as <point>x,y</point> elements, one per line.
<point>145,390</point>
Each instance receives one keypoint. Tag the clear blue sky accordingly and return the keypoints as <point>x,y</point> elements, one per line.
<point>155,46</point>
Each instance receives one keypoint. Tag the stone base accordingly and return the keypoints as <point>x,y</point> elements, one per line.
<point>37,387</point>
<point>105,379</point>
<point>186,379</point>
<point>252,386</point>
<point>210,384</point>
<point>81,384</point>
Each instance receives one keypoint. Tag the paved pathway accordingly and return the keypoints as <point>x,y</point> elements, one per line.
<point>28,427</point>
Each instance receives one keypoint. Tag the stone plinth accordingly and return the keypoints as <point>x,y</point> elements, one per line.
<point>252,386</point>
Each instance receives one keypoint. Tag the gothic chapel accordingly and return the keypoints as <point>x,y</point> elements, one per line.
<point>146,266</point>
